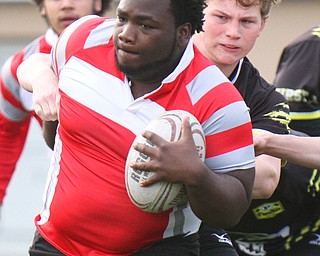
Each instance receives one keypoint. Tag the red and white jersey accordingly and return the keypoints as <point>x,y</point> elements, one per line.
<point>87,210</point>
<point>16,102</point>
<point>16,108</point>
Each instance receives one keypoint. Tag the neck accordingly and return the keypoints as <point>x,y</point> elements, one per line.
<point>140,88</point>
<point>227,69</point>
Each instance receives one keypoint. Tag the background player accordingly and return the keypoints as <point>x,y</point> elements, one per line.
<point>298,79</point>
<point>16,108</point>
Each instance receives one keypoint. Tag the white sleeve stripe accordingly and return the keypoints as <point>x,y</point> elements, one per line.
<point>10,111</point>
<point>202,83</point>
<point>230,161</point>
<point>10,83</point>
<point>227,118</point>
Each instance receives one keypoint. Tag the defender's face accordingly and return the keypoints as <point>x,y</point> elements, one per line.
<point>231,31</point>
<point>144,36</point>
<point>61,13</point>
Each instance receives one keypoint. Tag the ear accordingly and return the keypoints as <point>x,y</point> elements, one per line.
<point>184,34</point>
<point>97,5</point>
<point>263,24</point>
<point>43,11</point>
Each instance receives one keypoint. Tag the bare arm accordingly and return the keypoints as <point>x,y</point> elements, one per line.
<point>268,169</point>
<point>300,150</point>
<point>36,75</point>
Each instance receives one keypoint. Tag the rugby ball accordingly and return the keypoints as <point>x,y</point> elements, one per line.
<point>162,195</point>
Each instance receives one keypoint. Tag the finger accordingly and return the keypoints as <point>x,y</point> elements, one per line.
<point>58,104</point>
<point>145,148</point>
<point>38,110</point>
<point>52,111</point>
<point>151,180</point>
<point>151,177</point>
<point>50,106</point>
<point>186,132</point>
<point>44,112</point>
<point>153,138</point>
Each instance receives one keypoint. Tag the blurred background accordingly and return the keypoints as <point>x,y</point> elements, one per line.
<point>20,23</point>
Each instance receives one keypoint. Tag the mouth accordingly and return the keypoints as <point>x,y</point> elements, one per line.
<point>68,20</point>
<point>125,50</point>
<point>125,53</point>
<point>230,47</point>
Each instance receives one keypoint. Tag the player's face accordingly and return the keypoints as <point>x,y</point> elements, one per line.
<point>231,31</point>
<point>61,13</point>
<point>145,38</point>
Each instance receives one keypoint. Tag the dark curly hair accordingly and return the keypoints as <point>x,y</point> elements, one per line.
<point>189,11</point>
<point>105,5</point>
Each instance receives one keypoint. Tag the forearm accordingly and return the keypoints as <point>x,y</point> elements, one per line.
<point>300,150</point>
<point>267,177</point>
<point>36,75</point>
<point>34,69</point>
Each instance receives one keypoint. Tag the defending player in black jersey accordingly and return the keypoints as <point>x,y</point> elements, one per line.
<point>287,224</point>
<point>298,79</point>
<point>231,29</point>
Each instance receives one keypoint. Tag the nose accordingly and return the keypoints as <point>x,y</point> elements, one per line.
<point>67,4</point>
<point>128,33</point>
<point>233,30</point>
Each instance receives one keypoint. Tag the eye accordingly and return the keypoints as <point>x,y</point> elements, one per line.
<point>145,26</point>
<point>121,19</point>
<point>221,17</point>
<point>247,21</point>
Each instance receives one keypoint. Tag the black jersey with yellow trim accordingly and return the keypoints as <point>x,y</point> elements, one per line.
<point>268,108</point>
<point>298,79</point>
<point>269,111</point>
<point>285,220</point>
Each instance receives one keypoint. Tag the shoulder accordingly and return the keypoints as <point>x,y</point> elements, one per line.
<point>88,31</point>
<point>261,97</point>
<point>81,36</point>
<point>31,48</point>
<point>251,78</point>
<point>87,27</point>
<point>307,42</point>
<point>312,34</point>
<point>258,86</point>
<point>11,64</point>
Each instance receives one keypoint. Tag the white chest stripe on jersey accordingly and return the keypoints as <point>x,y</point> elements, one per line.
<point>107,95</point>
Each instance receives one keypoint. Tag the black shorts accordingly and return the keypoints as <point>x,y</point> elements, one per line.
<point>182,245</point>
<point>215,242</point>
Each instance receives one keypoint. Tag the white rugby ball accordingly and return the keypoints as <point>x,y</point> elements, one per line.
<point>162,195</point>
